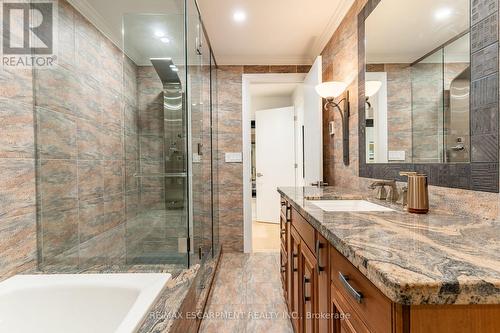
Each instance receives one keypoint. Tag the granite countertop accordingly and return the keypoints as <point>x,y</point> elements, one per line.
<point>413,259</point>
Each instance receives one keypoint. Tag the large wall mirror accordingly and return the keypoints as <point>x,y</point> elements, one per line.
<point>429,86</point>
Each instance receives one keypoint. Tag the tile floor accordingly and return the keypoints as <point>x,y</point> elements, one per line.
<point>247,296</point>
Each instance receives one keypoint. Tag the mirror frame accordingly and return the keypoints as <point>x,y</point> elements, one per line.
<point>481,173</point>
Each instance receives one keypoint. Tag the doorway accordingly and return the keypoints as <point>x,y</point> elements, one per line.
<point>274,140</point>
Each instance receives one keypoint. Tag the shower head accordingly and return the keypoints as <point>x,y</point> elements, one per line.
<point>164,67</point>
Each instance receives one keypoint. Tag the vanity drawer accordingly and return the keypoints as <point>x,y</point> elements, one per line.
<point>374,308</point>
<point>305,230</point>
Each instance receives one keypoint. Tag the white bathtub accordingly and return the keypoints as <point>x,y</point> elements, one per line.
<point>97,303</point>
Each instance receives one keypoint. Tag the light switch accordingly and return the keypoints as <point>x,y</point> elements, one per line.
<point>397,155</point>
<point>331,127</point>
<point>234,157</point>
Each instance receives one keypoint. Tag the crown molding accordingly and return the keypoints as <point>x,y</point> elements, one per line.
<point>335,21</point>
<point>263,60</point>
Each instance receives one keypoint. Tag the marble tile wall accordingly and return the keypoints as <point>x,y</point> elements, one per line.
<point>17,178</point>
<point>230,177</point>
<point>340,62</point>
<point>80,113</point>
<point>18,244</point>
<point>230,174</point>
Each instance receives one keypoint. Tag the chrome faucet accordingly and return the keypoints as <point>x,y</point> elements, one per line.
<point>382,194</point>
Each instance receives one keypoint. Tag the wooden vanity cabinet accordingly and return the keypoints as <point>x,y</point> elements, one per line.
<point>325,292</point>
<point>318,300</point>
<point>308,289</point>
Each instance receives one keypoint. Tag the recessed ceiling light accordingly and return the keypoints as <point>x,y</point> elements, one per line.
<point>175,69</point>
<point>239,16</point>
<point>173,66</point>
<point>159,33</point>
<point>443,13</point>
<point>165,40</point>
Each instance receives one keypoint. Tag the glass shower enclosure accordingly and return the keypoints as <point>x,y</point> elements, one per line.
<point>168,211</point>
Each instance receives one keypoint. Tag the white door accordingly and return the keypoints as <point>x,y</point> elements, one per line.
<point>313,126</point>
<point>275,164</point>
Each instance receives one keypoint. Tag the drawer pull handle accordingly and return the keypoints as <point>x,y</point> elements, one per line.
<point>358,296</point>
<point>319,246</point>
<point>283,232</point>
<point>294,255</point>
<point>304,282</point>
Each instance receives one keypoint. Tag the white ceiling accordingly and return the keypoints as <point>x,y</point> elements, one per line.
<point>402,31</point>
<point>275,31</point>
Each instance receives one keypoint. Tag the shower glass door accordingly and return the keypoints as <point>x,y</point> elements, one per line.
<point>200,112</point>
<point>155,117</point>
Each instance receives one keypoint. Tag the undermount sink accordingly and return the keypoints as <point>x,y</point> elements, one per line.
<point>349,206</point>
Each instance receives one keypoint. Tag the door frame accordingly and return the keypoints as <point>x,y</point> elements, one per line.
<point>247,80</point>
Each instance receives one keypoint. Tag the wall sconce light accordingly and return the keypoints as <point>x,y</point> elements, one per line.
<point>330,91</point>
<point>372,87</point>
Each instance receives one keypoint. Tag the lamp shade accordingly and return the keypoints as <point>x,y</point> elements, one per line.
<point>372,87</point>
<point>331,89</point>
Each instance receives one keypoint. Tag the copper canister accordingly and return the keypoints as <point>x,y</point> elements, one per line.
<point>418,193</point>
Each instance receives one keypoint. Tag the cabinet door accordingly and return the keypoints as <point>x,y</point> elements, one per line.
<point>295,279</point>
<point>309,290</point>
<point>323,271</point>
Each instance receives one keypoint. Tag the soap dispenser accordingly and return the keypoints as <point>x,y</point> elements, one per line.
<point>418,193</point>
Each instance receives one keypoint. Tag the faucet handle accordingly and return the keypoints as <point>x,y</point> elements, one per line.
<point>382,193</point>
<point>404,193</point>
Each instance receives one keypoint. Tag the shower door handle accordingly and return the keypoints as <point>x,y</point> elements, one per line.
<point>458,148</point>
